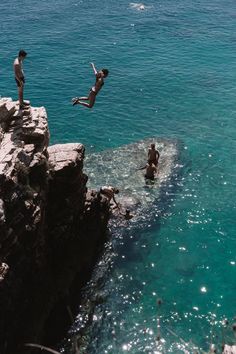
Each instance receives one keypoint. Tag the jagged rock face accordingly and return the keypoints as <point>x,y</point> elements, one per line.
<point>23,173</point>
<point>51,227</point>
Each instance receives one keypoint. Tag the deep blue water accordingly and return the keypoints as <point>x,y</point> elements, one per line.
<point>172,74</point>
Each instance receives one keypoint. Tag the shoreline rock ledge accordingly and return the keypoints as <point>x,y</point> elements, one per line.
<point>52,230</point>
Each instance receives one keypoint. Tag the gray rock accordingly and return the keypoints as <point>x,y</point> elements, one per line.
<point>229,349</point>
<point>7,110</point>
<point>63,156</point>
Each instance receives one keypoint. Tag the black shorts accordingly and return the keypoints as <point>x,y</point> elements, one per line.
<point>19,83</point>
<point>155,162</point>
<point>151,178</point>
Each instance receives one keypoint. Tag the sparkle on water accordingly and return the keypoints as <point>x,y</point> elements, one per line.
<point>172,74</point>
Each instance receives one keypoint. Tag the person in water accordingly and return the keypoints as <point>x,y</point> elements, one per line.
<point>153,154</point>
<point>91,98</point>
<point>19,77</point>
<point>150,170</point>
<point>127,215</point>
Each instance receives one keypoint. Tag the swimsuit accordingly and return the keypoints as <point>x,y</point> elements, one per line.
<point>93,89</point>
<point>148,177</point>
<point>154,161</point>
<point>19,83</point>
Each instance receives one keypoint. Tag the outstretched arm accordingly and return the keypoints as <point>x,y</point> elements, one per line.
<point>94,69</point>
<point>114,200</point>
<point>141,168</point>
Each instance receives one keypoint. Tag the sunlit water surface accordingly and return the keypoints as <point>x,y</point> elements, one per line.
<point>172,75</point>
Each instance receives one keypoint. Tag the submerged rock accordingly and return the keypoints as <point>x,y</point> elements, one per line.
<point>121,168</point>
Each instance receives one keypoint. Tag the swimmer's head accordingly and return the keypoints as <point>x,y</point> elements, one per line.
<point>105,72</point>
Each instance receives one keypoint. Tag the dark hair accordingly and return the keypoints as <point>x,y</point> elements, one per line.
<point>22,53</point>
<point>105,72</point>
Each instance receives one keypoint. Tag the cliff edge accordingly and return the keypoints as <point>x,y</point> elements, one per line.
<point>51,229</point>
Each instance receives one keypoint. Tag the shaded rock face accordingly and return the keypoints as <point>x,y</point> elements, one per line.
<point>51,229</point>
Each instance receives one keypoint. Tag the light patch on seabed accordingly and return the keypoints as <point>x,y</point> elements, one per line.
<point>121,168</point>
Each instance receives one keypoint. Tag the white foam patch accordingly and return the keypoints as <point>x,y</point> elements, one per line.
<point>139,6</point>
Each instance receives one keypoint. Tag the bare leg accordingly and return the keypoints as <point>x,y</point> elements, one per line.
<point>92,98</point>
<point>80,98</point>
<point>75,100</point>
<point>20,94</point>
<point>83,98</point>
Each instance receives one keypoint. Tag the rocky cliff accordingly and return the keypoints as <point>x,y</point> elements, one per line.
<point>51,229</point>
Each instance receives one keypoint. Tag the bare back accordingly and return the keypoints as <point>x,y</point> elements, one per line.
<point>108,191</point>
<point>153,156</point>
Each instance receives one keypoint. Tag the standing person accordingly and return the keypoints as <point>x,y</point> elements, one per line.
<point>153,154</point>
<point>91,98</point>
<point>19,76</point>
<point>150,170</point>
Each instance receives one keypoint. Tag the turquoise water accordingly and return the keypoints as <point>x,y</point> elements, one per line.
<point>172,74</point>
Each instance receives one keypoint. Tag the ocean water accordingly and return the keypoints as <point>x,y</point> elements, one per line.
<point>172,75</point>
